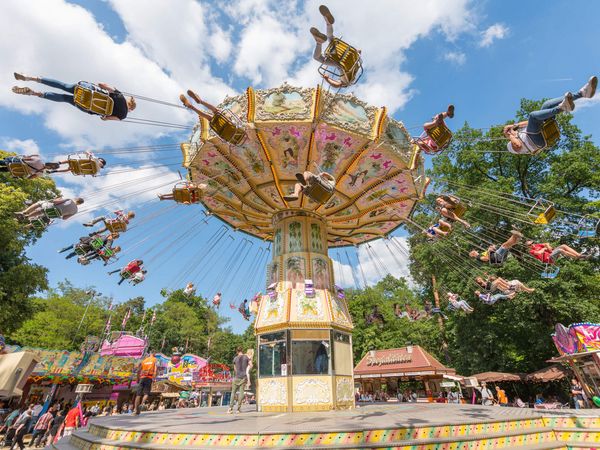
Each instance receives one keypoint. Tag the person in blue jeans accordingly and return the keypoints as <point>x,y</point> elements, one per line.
<point>121,105</point>
<point>526,137</point>
<point>490,299</point>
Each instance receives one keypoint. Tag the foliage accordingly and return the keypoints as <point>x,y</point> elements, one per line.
<point>19,278</point>
<point>500,188</point>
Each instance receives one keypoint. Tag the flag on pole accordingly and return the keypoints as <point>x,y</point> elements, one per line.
<point>144,317</point>
<point>107,327</point>
<point>153,317</point>
<point>125,319</point>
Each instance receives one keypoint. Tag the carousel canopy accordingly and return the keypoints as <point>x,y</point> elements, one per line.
<point>379,174</point>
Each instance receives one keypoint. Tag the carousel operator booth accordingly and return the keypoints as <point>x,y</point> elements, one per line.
<point>360,178</point>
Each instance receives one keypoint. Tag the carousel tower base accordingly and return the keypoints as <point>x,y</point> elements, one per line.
<point>403,426</point>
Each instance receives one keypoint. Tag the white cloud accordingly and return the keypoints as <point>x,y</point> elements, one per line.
<point>375,263</point>
<point>220,43</point>
<point>496,31</point>
<point>21,146</point>
<point>458,58</point>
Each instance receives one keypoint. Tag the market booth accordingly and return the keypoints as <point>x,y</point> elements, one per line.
<point>385,370</point>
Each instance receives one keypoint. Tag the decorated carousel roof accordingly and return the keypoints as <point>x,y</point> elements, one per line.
<point>379,174</point>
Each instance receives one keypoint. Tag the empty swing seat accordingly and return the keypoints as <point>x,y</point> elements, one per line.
<point>348,64</point>
<point>320,188</point>
<point>544,217</point>
<point>93,100</point>
<point>550,272</point>
<point>587,227</point>
<point>83,165</point>
<point>228,127</point>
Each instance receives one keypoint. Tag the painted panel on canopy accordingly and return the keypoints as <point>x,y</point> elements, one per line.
<point>339,311</point>
<point>308,309</point>
<point>333,203</point>
<point>238,105</point>
<point>397,138</point>
<point>252,159</point>
<point>347,112</point>
<point>270,192</point>
<point>399,186</point>
<point>284,103</point>
<point>348,210</point>
<point>288,147</point>
<point>373,165</point>
<point>272,310</point>
<point>252,197</point>
<point>218,166</point>
<point>334,149</point>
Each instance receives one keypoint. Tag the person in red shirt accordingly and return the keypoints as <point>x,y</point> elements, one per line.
<point>146,373</point>
<point>72,421</point>
<point>548,254</point>
<point>129,270</point>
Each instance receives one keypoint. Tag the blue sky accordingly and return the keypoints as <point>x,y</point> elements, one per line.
<point>418,56</point>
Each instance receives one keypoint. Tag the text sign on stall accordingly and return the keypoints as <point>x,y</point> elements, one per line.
<point>84,388</point>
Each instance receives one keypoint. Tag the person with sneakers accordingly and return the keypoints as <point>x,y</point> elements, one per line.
<point>456,303</point>
<point>36,167</point>
<point>547,254</point>
<point>203,114</point>
<point>240,364</point>
<point>120,217</point>
<point>497,255</point>
<point>85,244</point>
<point>307,180</point>
<point>145,375</point>
<point>426,142</point>
<point>196,189</point>
<point>526,137</point>
<point>121,105</point>
<point>320,38</point>
<point>67,208</point>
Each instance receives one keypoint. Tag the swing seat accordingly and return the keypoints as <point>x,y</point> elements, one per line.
<point>19,169</point>
<point>348,63</point>
<point>107,253</point>
<point>83,165</point>
<point>320,190</point>
<point>52,213</point>
<point>550,272</point>
<point>545,217</point>
<point>115,225</point>
<point>228,127</point>
<point>459,210</point>
<point>126,274</point>
<point>550,132</point>
<point>587,227</point>
<point>80,250</point>
<point>93,100</point>
<point>441,135</point>
<point>41,223</point>
<point>185,194</point>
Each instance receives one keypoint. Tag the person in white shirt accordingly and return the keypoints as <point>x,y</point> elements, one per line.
<point>526,137</point>
<point>487,398</point>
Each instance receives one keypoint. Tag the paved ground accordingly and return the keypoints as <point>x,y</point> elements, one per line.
<point>215,420</point>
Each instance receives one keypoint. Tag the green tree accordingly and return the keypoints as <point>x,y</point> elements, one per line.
<point>500,188</point>
<point>19,278</point>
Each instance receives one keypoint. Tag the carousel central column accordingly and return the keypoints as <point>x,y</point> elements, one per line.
<point>303,327</point>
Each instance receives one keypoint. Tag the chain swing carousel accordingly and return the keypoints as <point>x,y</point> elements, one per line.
<point>364,178</point>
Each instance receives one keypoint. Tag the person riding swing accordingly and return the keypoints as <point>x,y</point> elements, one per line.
<point>223,122</point>
<point>436,135</point>
<point>101,99</point>
<point>318,188</point>
<point>540,130</point>
<point>341,65</point>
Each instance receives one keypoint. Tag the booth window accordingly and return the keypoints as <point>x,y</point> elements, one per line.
<point>272,354</point>
<point>310,358</point>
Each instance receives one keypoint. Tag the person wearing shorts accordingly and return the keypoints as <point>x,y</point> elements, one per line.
<point>146,374</point>
<point>497,255</point>
<point>548,254</point>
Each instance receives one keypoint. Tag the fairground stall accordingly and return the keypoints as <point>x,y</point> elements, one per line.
<point>386,370</point>
<point>579,347</point>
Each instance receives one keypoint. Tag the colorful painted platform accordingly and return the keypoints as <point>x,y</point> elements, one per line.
<point>390,426</point>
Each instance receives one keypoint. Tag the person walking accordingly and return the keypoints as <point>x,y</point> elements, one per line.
<point>41,427</point>
<point>240,364</point>
<point>21,427</point>
<point>146,373</point>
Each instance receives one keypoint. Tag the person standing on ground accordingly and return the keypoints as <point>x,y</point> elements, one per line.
<point>41,427</point>
<point>72,421</point>
<point>501,395</point>
<point>146,373</point>
<point>577,393</point>
<point>21,428</point>
<point>240,364</point>
<point>487,398</point>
